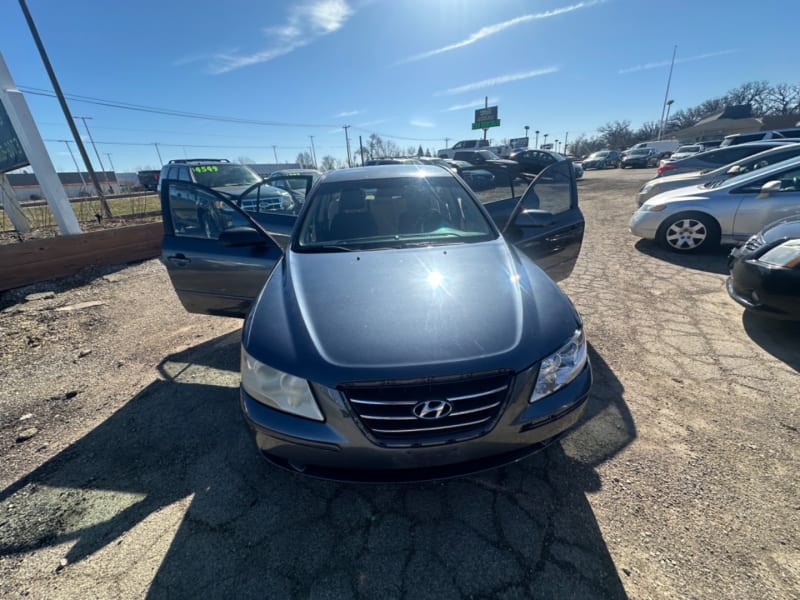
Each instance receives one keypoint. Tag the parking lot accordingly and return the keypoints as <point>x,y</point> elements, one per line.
<point>680,482</point>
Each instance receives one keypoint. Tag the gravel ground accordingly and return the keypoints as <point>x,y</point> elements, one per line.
<point>128,471</point>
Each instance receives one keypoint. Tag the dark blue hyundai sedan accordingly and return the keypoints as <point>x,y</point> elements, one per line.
<point>399,327</point>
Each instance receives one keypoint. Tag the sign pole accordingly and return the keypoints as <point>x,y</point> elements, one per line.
<point>12,207</point>
<point>32,144</point>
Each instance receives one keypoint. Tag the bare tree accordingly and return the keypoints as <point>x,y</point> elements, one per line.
<point>616,135</point>
<point>754,93</point>
<point>305,160</point>
<point>328,163</point>
<point>783,99</point>
<point>649,130</point>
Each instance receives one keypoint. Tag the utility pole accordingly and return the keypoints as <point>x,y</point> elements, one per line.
<point>275,153</point>
<point>77,168</point>
<point>91,139</point>
<point>313,151</point>
<point>64,107</point>
<point>361,146</point>
<point>446,142</point>
<point>347,141</point>
<point>108,154</point>
<point>160,160</point>
<point>666,94</point>
<point>536,145</point>
<point>566,137</point>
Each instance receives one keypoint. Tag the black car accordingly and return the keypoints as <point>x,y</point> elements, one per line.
<point>534,161</point>
<point>605,159</point>
<point>640,157</point>
<point>765,271</point>
<point>489,160</point>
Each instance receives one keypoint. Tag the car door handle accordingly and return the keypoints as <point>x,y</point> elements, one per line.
<point>179,260</point>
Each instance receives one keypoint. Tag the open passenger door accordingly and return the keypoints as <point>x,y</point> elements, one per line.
<point>546,223</point>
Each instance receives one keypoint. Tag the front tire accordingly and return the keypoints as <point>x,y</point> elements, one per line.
<point>689,232</point>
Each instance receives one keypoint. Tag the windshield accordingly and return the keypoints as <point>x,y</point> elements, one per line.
<point>689,149</point>
<point>488,154</point>
<point>599,155</point>
<point>640,152</point>
<point>222,175</point>
<point>398,212</point>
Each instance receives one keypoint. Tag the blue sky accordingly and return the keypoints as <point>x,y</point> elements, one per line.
<point>411,70</point>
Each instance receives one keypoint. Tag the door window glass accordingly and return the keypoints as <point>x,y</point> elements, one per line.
<point>197,213</point>
<point>790,182</point>
<point>551,190</point>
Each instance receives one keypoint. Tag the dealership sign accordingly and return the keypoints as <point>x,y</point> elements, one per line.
<point>11,154</point>
<point>485,118</point>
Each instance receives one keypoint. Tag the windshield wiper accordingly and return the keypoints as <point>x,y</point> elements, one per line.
<point>329,248</point>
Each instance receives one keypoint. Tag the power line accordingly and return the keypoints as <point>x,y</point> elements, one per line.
<point>207,117</point>
<point>118,143</point>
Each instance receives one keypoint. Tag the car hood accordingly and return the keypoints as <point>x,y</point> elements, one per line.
<point>691,175</point>
<point>407,313</point>
<point>689,193</point>
<point>782,230</point>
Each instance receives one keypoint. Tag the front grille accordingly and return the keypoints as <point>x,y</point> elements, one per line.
<point>387,412</point>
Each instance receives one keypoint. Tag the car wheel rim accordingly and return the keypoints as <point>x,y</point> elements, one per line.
<point>686,234</point>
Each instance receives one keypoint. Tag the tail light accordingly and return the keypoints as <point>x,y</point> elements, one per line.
<point>664,168</point>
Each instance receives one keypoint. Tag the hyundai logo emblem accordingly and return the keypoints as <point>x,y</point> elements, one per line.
<point>432,409</point>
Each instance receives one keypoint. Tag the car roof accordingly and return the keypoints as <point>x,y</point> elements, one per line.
<point>383,172</point>
<point>192,161</point>
<point>285,172</point>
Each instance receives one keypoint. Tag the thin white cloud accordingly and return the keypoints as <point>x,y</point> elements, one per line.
<point>348,113</point>
<point>422,123</point>
<point>305,23</point>
<point>371,123</point>
<point>666,63</point>
<point>496,81</point>
<point>491,30</point>
<point>474,104</point>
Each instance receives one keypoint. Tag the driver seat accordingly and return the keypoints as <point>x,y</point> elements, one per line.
<point>353,219</point>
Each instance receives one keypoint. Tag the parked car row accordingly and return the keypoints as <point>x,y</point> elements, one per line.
<point>753,201</point>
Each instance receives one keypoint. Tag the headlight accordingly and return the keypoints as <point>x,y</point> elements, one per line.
<point>652,207</point>
<point>277,389</point>
<point>646,188</point>
<point>561,367</point>
<point>786,255</point>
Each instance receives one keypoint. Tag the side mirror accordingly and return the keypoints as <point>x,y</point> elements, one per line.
<point>770,188</point>
<point>736,170</point>
<point>241,236</point>
<point>534,217</point>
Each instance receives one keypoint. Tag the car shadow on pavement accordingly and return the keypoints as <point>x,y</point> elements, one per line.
<point>780,338</point>
<point>252,530</point>
<point>712,261</point>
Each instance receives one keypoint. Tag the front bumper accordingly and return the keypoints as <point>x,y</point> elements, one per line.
<point>645,224</point>
<point>338,448</point>
<point>770,291</point>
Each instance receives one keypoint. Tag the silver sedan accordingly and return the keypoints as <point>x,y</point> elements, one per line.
<point>660,185</point>
<point>723,211</point>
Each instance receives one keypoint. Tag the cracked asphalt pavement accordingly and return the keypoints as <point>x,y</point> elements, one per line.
<point>136,476</point>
